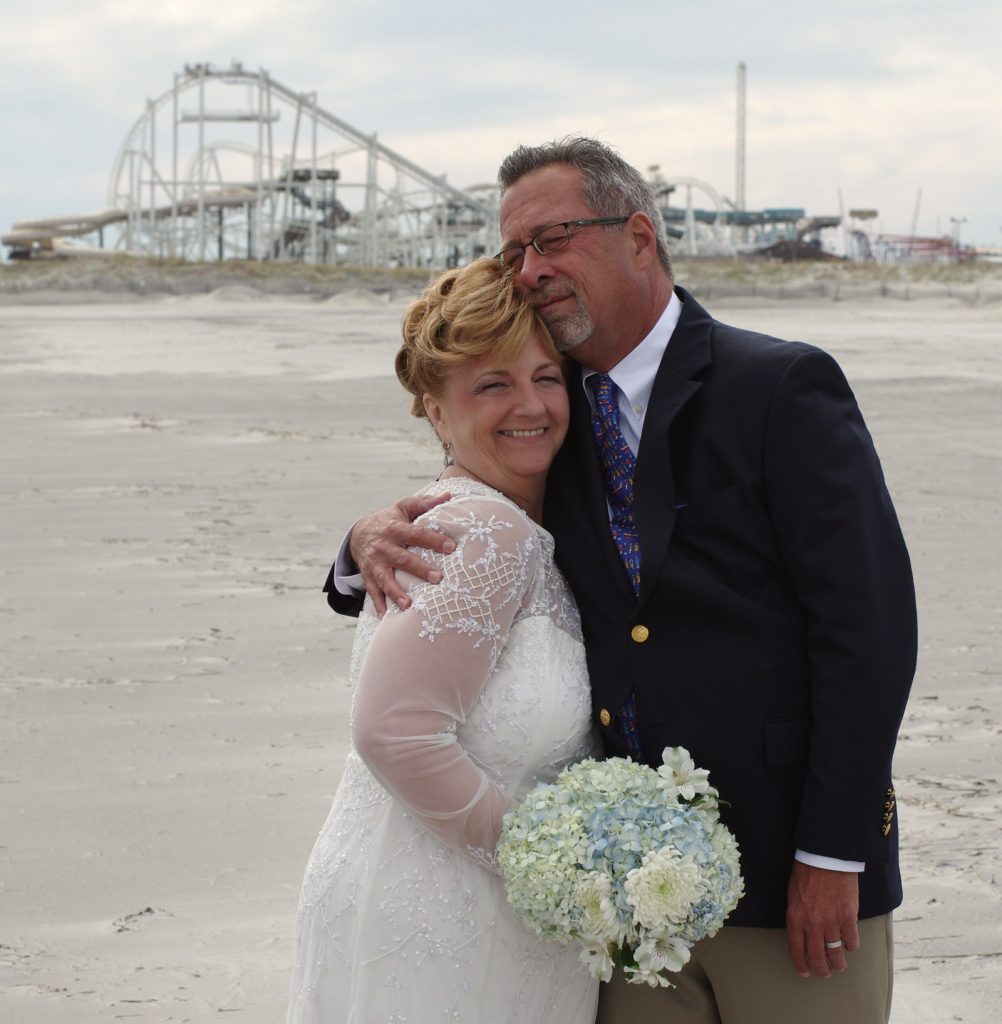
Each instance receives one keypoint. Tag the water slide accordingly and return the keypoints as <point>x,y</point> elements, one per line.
<point>49,234</point>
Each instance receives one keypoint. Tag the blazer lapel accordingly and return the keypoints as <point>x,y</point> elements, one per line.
<point>687,354</point>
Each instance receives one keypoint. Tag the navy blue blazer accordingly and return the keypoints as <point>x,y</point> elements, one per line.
<point>776,597</point>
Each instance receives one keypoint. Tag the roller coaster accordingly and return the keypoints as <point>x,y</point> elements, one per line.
<point>230,164</point>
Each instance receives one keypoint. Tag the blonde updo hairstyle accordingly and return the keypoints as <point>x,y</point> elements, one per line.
<point>462,315</point>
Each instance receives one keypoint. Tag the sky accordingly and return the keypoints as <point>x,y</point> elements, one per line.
<point>875,100</point>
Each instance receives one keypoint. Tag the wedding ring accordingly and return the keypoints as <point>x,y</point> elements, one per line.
<point>837,944</point>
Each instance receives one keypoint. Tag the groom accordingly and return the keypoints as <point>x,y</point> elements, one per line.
<point>747,594</point>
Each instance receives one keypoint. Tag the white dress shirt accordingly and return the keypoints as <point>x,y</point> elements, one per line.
<point>634,374</point>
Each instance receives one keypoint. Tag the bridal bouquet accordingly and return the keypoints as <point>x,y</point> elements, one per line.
<point>630,862</point>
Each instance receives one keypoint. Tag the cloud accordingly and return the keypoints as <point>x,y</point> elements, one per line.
<point>878,99</point>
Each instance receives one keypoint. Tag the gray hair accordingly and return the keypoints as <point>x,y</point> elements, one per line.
<point>610,186</point>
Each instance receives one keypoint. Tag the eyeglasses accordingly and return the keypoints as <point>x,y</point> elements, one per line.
<point>552,239</point>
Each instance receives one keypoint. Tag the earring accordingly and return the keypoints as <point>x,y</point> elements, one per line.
<point>446,448</point>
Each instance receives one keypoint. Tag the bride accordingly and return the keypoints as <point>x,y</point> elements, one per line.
<point>461,703</point>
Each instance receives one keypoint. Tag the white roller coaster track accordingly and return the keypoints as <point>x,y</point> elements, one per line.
<point>298,182</point>
<point>415,218</point>
<point>277,176</point>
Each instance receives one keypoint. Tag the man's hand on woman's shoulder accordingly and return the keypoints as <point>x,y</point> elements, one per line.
<point>379,547</point>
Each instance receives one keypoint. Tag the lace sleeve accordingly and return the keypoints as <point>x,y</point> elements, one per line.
<point>426,666</point>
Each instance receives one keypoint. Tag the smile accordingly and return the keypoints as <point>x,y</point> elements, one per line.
<point>537,432</point>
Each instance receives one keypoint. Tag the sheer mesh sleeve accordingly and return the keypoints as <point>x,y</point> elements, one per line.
<point>426,667</point>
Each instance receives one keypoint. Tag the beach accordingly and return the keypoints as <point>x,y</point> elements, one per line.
<point>177,474</point>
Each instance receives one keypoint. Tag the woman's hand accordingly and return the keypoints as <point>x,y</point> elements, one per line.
<point>379,543</point>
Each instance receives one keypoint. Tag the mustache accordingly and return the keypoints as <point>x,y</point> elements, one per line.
<point>556,286</point>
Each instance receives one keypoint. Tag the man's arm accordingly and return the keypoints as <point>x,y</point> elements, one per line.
<point>847,561</point>
<point>378,546</point>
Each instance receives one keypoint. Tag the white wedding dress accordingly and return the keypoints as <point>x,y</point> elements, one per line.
<point>460,705</point>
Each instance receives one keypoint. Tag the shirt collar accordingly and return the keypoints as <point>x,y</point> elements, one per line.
<point>634,374</point>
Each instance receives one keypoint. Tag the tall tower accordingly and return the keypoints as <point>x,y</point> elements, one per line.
<point>739,176</point>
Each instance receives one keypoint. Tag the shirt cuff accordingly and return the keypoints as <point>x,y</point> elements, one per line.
<point>347,578</point>
<point>814,860</point>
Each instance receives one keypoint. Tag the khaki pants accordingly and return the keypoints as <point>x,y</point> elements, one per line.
<point>745,976</point>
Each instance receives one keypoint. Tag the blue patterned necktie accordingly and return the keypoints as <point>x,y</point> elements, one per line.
<point>618,466</point>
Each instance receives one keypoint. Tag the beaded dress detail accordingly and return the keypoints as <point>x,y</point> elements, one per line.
<point>460,704</point>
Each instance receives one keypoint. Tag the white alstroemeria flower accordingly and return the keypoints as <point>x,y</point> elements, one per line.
<point>598,961</point>
<point>661,953</point>
<point>680,770</point>
<point>663,888</point>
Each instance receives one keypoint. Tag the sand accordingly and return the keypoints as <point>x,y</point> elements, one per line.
<point>175,476</point>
